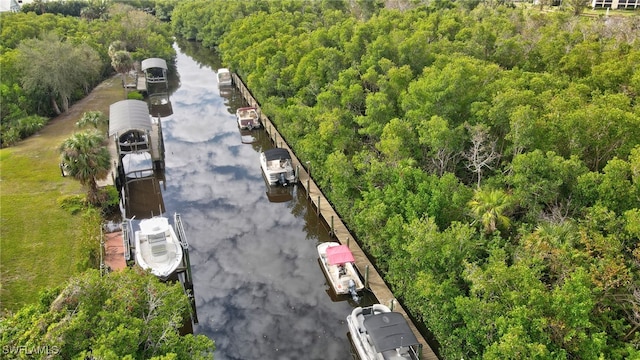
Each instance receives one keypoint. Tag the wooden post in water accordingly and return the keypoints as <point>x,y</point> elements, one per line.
<point>366,276</point>
<point>318,209</point>
<point>308,188</point>
<point>332,230</point>
<point>393,303</point>
<point>347,241</point>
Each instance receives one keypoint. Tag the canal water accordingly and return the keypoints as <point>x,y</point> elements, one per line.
<point>259,290</point>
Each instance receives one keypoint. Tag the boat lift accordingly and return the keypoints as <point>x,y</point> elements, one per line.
<point>183,272</point>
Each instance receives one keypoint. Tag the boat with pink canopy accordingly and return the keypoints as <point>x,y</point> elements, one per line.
<point>338,265</point>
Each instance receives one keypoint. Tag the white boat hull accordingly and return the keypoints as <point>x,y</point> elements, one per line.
<point>157,247</point>
<point>224,77</point>
<point>248,118</point>
<point>358,335</point>
<point>339,280</point>
<point>363,342</point>
<point>278,171</point>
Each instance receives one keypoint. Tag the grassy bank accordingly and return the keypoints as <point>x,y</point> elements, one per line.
<point>41,244</point>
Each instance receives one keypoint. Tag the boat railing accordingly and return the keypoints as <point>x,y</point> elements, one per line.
<point>182,236</point>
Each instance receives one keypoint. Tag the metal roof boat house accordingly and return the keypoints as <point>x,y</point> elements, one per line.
<point>139,148</point>
<point>135,131</point>
<point>155,71</point>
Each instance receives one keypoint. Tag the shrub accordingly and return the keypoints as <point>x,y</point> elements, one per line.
<point>135,95</point>
<point>111,200</point>
<point>73,203</point>
<point>22,128</point>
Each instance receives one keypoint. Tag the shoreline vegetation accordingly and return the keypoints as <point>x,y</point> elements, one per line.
<point>486,156</point>
<point>52,296</point>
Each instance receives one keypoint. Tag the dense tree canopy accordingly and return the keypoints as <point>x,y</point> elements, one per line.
<point>52,56</point>
<point>57,68</point>
<point>121,315</point>
<point>486,156</point>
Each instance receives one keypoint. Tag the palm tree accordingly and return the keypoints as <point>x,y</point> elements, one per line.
<point>85,156</point>
<point>490,207</point>
<point>116,46</point>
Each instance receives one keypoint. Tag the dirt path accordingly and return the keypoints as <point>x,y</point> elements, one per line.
<point>105,94</point>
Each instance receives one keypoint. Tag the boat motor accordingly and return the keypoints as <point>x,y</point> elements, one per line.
<point>352,290</point>
<point>283,179</point>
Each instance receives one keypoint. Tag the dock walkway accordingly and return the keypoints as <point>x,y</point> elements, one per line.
<point>114,251</point>
<point>341,233</point>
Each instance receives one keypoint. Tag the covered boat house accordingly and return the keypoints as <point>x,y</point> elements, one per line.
<point>155,71</point>
<point>139,148</point>
<point>135,132</point>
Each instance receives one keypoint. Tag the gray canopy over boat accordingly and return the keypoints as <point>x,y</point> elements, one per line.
<point>389,331</point>
<point>126,115</point>
<point>276,154</point>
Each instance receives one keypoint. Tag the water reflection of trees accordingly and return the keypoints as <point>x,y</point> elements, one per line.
<point>201,55</point>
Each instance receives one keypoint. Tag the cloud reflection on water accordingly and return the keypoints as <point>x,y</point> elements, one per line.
<point>259,290</point>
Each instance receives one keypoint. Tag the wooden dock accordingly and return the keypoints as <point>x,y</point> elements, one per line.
<point>114,251</point>
<point>141,83</point>
<point>341,233</point>
<point>110,179</point>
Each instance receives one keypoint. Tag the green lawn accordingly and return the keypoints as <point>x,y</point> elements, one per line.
<point>41,243</point>
<point>37,246</point>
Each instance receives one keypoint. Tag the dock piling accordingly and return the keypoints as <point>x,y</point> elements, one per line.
<point>366,276</point>
<point>332,230</point>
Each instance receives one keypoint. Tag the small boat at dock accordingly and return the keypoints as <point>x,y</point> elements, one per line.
<point>157,247</point>
<point>338,265</point>
<point>248,118</point>
<point>381,334</point>
<point>277,167</point>
<point>224,77</point>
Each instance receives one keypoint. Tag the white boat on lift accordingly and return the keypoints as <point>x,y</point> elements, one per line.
<point>224,77</point>
<point>248,118</point>
<point>381,334</point>
<point>277,167</point>
<point>157,247</point>
<point>338,265</point>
